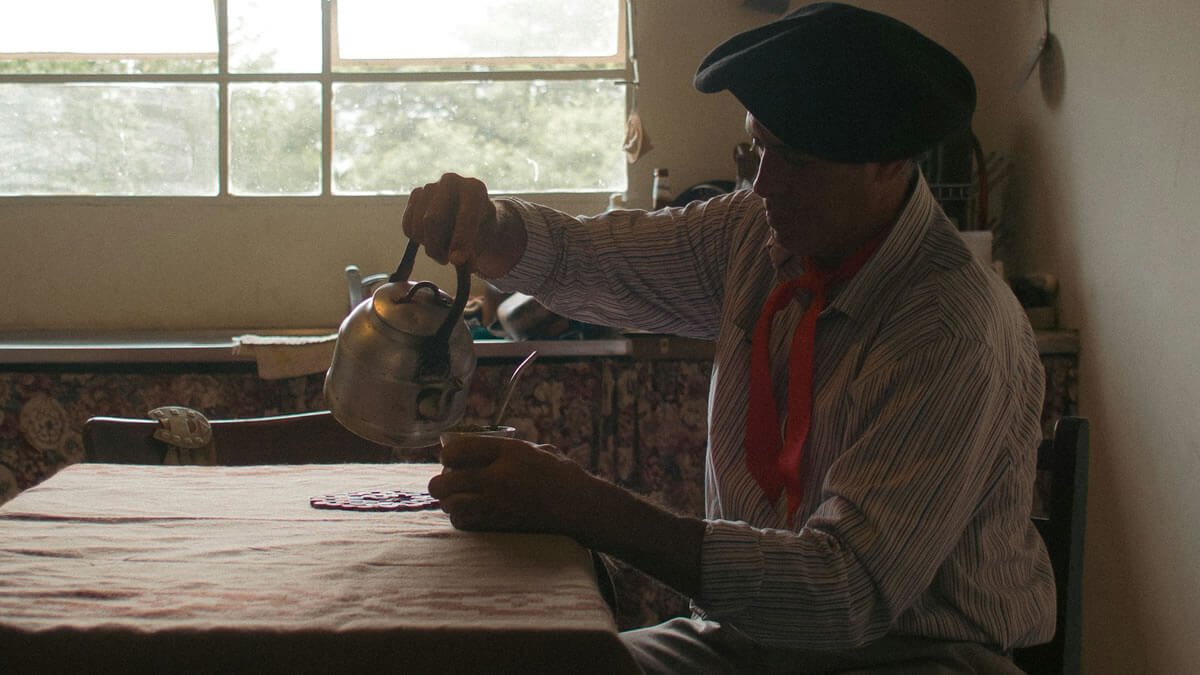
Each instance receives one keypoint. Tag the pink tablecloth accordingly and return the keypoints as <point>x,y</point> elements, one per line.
<point>108,568</point>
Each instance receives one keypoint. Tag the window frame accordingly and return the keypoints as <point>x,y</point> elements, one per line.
<point>570,68</point>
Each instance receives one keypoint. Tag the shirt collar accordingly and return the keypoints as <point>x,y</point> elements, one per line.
<point>906,235</point>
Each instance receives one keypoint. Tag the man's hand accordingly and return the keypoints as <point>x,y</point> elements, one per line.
<point>457,222</point>
<point>515,486</point>
<point>507,484</point>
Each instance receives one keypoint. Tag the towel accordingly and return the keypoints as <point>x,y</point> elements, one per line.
<point>280,356</point>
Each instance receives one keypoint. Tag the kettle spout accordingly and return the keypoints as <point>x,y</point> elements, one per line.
<point>359,287</point>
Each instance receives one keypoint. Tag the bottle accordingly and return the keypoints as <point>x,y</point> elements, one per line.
<point>662,189</point>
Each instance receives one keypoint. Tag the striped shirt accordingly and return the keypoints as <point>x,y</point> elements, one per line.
<point>920,459</point>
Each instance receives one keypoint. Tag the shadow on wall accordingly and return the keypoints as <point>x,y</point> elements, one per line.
<point>1047,60</point>
<point>1052,72</point>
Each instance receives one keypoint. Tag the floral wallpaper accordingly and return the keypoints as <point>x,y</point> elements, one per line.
<point>640,423</point>
<point>44,410</point>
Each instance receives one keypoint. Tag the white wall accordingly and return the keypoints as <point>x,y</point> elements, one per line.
<point>1109,201</point>
<point>1102,194</point>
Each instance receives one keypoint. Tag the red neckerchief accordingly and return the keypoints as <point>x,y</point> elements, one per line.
<point>775,461</point>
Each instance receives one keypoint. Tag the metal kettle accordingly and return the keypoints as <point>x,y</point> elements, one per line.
<point>403,361</point>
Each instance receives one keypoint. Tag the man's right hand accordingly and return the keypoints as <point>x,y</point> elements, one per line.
<point>456,221</point>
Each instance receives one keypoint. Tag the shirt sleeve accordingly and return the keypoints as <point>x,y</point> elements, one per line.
<point>651,271</point>
<point>894,504</point>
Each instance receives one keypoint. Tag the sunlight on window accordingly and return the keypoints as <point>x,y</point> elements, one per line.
<point>110,27</point>
<point>135,97</point>
<point>108,139</point>
<point>274,36</point>
<point>384,29</point>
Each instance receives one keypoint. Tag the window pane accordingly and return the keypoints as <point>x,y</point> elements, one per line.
<point>275,139</point>
<point>85,36</point>
<point>108,139</point>
<point>275,36</point>
<point>385,29</point>
<point>516,136</point>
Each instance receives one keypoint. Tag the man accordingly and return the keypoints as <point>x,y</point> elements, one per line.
<point>876,392</point>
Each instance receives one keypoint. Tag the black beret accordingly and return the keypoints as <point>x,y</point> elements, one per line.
<point>844,84</point>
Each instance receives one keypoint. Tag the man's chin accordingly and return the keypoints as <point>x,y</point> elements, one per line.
<point>782,246</point>
<point>774,222</point>
<point>780,235</point>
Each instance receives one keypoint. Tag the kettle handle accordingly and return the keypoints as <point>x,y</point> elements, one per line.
<point>437,357</point>
<point>406,263</point>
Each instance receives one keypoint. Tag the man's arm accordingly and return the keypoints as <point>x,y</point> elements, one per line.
<point>660,543</point>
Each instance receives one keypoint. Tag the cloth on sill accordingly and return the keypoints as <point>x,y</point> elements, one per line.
<point>280,356</point>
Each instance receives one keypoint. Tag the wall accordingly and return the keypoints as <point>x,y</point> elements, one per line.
<point>1109,156</point>
<point>1101,194</point>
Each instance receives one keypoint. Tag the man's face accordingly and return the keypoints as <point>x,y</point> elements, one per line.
<point>816,207</point>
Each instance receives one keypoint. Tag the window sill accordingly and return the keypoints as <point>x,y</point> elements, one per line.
<point>217,347</point>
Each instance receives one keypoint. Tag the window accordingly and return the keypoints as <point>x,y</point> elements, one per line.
<point>310,97</point>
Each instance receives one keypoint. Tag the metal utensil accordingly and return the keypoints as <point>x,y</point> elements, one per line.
<point>508,388</point>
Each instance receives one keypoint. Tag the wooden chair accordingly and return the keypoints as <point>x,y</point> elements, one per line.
<point>303,438</point>
<point>1062,483</point>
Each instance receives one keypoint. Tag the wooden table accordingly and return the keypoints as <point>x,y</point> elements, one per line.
<point>111,568</point>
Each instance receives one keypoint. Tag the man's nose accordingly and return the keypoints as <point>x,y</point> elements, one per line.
<point>764,179</point>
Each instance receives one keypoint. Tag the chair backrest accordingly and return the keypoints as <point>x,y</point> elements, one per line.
<point>1062,481</point>
<point>303,438</point>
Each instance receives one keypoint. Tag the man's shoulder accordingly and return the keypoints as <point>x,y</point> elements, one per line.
<point>946,295</point>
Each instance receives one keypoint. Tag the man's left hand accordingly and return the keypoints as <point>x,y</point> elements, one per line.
<point>508,484</point>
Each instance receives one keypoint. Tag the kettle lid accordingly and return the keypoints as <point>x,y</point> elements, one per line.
<point>414,308</point>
